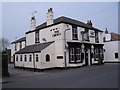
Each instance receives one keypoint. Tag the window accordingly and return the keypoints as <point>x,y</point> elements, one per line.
<point>15,47</point>
<point>75,55</point>
<point>85,35</point>
<point>36,58</point>
<point>20,45</point>
<point>30,58</point>
<point>17,58</point>
<point>96,53</point>
<point>25,58</point>
<point>47,58</point>
<point>20,57</point>
<point>116,55</point>
<point>72,56</point>
<point>37,37</point>
<point>74,33</point>
<point>96,37</point>
<point>78,55</point>
<point>101,53</point>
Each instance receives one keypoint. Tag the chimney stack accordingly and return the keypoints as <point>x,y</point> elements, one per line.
<point>33,23</point>
<point>89,22</point>
<point>50,17</point>
<point>106,31</point>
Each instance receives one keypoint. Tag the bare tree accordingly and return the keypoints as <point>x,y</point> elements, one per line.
<point>4,43</point>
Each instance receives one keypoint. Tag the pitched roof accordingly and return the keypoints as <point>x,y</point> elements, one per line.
<point>34,48</point>
<point>63,19</point>
<point>19,40</point>
<point>115,36</point>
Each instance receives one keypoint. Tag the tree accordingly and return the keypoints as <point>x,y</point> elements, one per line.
<point>4,43</point>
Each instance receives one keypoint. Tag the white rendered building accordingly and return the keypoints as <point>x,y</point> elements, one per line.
<point>112,45</point>
<point>60,42</point>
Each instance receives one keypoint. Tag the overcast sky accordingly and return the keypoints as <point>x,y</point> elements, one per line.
<point>16,16</point>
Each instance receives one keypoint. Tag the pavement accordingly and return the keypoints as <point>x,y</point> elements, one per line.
<point>95,76</point>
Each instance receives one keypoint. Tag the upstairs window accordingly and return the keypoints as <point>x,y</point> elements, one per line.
<point>20,45</point>
<point>37,37</point>
<point>74,32</point>
<point>15,47</point>
<point>85,35</point>
<point>96,37</point>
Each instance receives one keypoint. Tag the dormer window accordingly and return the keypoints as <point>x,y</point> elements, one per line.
<point>20,45</point>
<point>96,37</point>
<point>85,35</point>
<point>37,37</point>
<point>74,32</point>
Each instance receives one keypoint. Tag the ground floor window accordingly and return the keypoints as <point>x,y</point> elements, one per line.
<point>25,58</point>
<point>17,58</point>
<point>98,53</point>
<point>116,55</point>
<point>47,58</point>
<point>36,58</point>
<point>20,57</point>
<point>30,58</point>
<point>75,55</point>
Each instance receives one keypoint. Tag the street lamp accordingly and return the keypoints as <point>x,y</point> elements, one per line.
<point>65,48</point>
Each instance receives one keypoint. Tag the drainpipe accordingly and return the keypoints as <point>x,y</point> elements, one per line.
<point>65,48</point>
<point>34,61</point>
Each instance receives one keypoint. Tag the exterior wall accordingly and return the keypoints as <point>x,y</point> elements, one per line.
<point>100,37</point>
<point>48,33</point>
<point>59,51</point>
<point>30,38</point>
<point>17,48</point>
<point>108,36</point>
<point>50,50</point>
<point>110,49</point>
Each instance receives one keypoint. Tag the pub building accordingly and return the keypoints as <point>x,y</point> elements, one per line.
<point>61,42</point>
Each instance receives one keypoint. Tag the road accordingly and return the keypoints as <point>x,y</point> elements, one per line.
<point>95,76</point>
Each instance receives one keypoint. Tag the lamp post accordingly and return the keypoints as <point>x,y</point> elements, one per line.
<point>65,48</point>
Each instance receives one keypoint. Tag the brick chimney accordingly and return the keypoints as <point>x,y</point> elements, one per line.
<point>50,17</point>
<point>89,22</point>
<point>33,23</point>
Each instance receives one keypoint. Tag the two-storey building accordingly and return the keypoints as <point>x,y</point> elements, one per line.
<point>60,42</point>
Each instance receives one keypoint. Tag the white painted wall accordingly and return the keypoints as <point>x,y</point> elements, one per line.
<point>30,38</point>
<point>111,48</point>
<point>108,37</point>
<point>23,63</point>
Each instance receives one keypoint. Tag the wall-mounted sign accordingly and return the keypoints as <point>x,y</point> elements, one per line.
<point>92,34</point>
<point>55,32</point>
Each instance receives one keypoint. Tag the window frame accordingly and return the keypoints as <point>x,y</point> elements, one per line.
<point>21,57</point>
<point>86,32</point>
<point>30,58</point>
<point>16,57</point>
<point>47,58</point>
<point>25,58</point>
<point>96,37</point>
<point>74,32</point>
<point>36,58</point>
<point>37,39</point>
<point>116,56</point>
